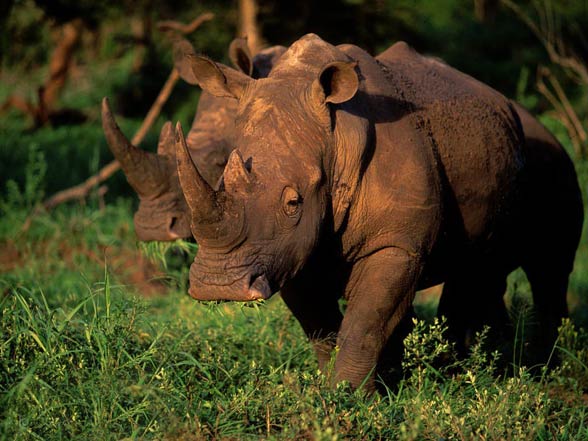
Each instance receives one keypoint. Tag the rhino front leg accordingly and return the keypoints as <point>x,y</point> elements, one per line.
<point>380,292</point>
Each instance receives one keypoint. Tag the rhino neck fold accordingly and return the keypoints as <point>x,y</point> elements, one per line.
<point>347,162</point>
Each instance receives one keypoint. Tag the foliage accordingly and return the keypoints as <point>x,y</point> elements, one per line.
<point>110,365</point>
<point>83,355</point>
<point>17,201</point>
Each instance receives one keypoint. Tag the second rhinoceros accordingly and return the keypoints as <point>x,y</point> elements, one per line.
<point>162,214</point>
<point>368,179</point>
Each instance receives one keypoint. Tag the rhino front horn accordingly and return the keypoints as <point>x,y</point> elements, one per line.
<point>144,171</point>
<point>200,196</point>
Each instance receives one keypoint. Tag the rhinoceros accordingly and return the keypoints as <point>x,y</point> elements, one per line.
<point>368,179</point>
<point>162,214</point>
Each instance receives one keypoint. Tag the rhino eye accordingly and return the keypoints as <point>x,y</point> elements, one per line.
<point>291,202</point>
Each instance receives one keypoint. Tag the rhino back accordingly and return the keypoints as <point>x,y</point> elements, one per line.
<point>477,137</point>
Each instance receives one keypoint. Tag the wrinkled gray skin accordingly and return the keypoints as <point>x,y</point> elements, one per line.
<point>162,214</point>
<point>369,179</point>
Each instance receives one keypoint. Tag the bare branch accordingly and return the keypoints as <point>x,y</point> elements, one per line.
<point>547,31</point>
<point>563,109</point>
<point>248,25</point>
<point>570,112</point>
<point>59,66</point>
<point>547,28</point>
<point>172,25</point>
<point>82,190</point>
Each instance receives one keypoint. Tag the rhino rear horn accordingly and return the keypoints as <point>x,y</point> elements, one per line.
<point>166,144</point>
<point>236,174</point>
<point>143,170</point>
<point>200,196</point>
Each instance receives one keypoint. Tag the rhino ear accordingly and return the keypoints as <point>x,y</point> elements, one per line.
<point>182,52</point>
<point>216,79</point>
<point>337,83</point>
<point>240,55</point>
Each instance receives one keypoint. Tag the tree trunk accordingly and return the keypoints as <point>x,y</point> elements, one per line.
<point>248,26</point>
<point>485,10</point>
<point>59,66</point>
<point>142,30</point>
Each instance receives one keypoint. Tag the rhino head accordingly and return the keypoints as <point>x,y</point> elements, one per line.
<point>162,214</point>
<point>262,223</point>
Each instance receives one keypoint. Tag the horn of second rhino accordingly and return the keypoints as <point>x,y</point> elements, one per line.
<point>236,175</point>
<point>145,171</point>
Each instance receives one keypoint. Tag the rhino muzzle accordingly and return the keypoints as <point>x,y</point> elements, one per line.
<point>246,289</point>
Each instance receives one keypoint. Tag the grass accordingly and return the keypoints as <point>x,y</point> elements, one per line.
<point>97,342</point>
<point>98,361</point>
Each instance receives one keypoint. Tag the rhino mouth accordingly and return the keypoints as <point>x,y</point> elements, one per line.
<point>168,227</point>
<point>248,288</point>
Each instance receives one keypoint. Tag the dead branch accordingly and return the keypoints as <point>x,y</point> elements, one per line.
<point>548,32</point>
<point>563,109</point>
<point>547,28</point>
<point>248,25</point>
<point>570,112</point>
<point>60,63</point>
<point>19,103</point>
<point>485,10</point>
<point>82,190</point>
<point>172,25</point>
<point>59,67</point>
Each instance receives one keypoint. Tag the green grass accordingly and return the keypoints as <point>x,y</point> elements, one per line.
<point>89,352</point>
<point>104,363</point>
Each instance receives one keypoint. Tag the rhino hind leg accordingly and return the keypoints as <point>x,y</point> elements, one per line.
<point>549,283</point>
<point>472,300</point>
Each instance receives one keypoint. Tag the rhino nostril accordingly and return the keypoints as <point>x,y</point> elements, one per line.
<point>258,284</point>
<point>172,223</point>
